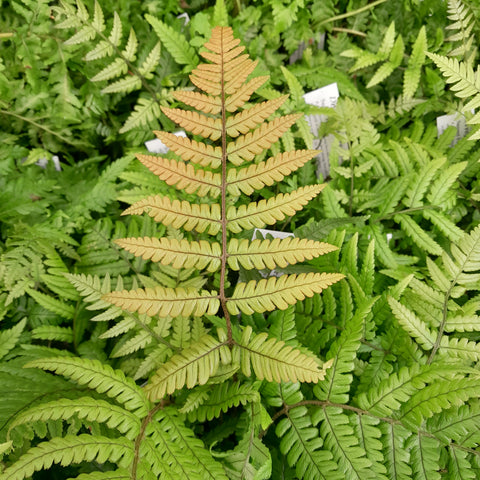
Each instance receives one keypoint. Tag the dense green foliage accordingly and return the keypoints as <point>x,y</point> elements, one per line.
<point>85,82</point>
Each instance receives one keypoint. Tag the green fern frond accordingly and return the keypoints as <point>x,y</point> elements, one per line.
<point>272,360</point>
<point>53,333</point>
<point>52,304</point>
<point>9,338</point>
<point>98,376</point>
<point>417,234</point>
<point>221,398</point>
<point>193,366</point>
<point>339,376</point>
<point>391,393</point>
<point>119,474</point>
<point>300,441</point>
<point>144,112</point>
<point>90,409</point>
<point>411,78</point>
<point>174,42</point>
<point>196,461</point>
<point>464,22</point>
<point>71,449</point>
<point>337,432</point>
<point>437,397</point>
<point>413,325</point>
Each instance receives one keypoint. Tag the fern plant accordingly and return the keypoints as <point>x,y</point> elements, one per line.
<point>130,68</point>
<point>218,355</point>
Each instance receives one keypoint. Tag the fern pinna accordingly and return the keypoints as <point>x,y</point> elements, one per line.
<point>152,439</point>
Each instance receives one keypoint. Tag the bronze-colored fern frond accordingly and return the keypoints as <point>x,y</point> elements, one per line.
<point>224,166</point>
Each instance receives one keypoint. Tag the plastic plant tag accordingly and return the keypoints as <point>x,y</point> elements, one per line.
<point>157,146</point>
<point>321,97</point>
<point>456,120</point>
<point>260,233</point>
<point>186,18</point>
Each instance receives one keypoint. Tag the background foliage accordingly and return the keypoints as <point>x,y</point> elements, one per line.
<point>402,205</point>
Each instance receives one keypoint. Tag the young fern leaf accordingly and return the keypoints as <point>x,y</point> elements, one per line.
<point>220,167</point>
<point>68,450</point>
<point>122,61</point>
<point>464,22</point>
<point>193,366</point>
<point>93,410</point>
<point>98,376</point>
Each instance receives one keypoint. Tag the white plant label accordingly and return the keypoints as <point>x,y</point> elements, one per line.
<point>157,146</point>
<point>322,97</point>
<point>262,233</point>
<point>455,120</point>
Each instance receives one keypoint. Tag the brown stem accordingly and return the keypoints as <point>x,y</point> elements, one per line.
<point>223,298</point>
<point>141,435</point>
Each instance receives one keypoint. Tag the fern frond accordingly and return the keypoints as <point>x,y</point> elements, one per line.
<point>391,393</point>
<point>53,333</point>
<point>367,430</point>
<point>459,348</point>
<point>247,146</point>
<point>93,410</point>
<point>201,217</point>
<point>465,81</point>
<point>178,253</point>
<point>417,234</point>
<point>174,42</point>
<point>268,212</point>
<point>256,176</point>
<point>125,85</point>
<point>272,293</point>
<point>98,376</point>
<point>197,152</point>
<point>183,175</point>
<point>397,458</point>
<point>200,101</point>
<point>9,338</point>
<point>119,474</point>
<point>274,253</point>
<point>339,376</point>
<point>166,301</point>
<point>115,69</point>
<point>411,76</point>
<point>338,436</point>
<point>194,122</point>
<point>144,111</point>
<point>52,304</point>
<point>244,121</point>
<point>221,398</point>
<point>274,361</point>
<point>302,445</point>
<point>412,324</point>
<point>242,95</point>
<point>437,397</point>
<point>464,22</point>
<point>196,459</point>
<point>193,366</point>
<point>71,449</point>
